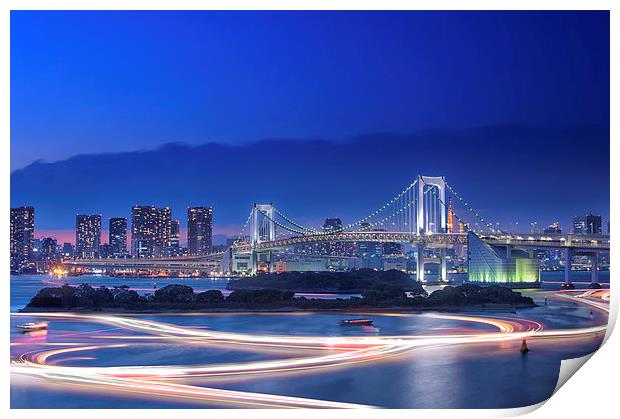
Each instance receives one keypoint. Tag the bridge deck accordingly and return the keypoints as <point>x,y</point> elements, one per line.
<point>576,242</point>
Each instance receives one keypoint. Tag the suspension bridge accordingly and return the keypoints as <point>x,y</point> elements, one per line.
<point>427,214</point>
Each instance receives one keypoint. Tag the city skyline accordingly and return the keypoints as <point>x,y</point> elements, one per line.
<point>507,204</point>
<point>68,236</point>
<point>398,94</point>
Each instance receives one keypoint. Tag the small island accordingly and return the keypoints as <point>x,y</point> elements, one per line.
<point>352,282</point>
<point>391,290</point>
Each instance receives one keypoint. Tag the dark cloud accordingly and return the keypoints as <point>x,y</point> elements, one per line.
<point>510,173</point>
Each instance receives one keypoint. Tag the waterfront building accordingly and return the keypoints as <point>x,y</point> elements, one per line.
<point>164,232</point>
<point>48,248</point>
<point>47,254</point>
<point>397,263</point>
<point>150,231</point>
<point>199,230</point>
<point>106,251</point>
<point>118,237</point>
<point>36,247</point>
<point>334,225</point>
<point>22,237</point>
<point>553,229</point>
<point>67,250</point>
<point>500,264</point>
<point>588,224</point>
<point>392,248</point>
<point>175,238</point>
<point>369,249</point>
<point>87,236</point>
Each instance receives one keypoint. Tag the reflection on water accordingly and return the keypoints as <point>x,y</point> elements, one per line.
<point>430,373</point>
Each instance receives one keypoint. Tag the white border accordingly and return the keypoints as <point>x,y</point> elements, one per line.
<point>592,395</point>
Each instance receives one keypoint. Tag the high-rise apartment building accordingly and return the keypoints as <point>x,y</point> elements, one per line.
<point>87,236</point>
<point>175,238</point>
<point>199,230</point>
<point>118,237</point>
<point>150,231</point>
<point>588,224</point>
<point>22,237</point>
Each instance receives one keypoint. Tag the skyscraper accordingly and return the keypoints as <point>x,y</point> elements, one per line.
<point>67,250</point>
<point>392,248</point>
<point>553,229</point>
<point>150,231</point>
<point>22,236</point>
<point>118,237</point>
<point>450,217</point>
<point>175,238</point>
<point>87,236</point>
<point>588,224</point>
<point>143,230</point>
<point>199,230</point>
<point>332,225</point>
<point>164,231</point>
<point>48,248</point>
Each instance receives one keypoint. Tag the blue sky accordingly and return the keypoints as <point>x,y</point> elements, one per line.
<point>102,82</point>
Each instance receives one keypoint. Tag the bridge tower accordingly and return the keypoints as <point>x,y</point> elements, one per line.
<point>450,217</point>
<point>262,226</point>
<point>431,207</point>
<point>430,218</point>
<point>262,229</point>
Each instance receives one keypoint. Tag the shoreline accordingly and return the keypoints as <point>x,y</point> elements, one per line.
<point>478,307</point>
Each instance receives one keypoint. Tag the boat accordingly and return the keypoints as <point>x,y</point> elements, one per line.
<point>356,322</point>
<point>30,326</point>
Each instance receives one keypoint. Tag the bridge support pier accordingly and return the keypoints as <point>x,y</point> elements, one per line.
<point>444,265</point>
<point>254,262</point>
<point>271,266</point>
<point>568,261</point>
<point>420,264</point>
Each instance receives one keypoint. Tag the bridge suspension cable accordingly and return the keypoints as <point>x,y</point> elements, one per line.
<point>459,219</point>
<point>308,229</point>
<point>488,224</point>
<point>292,230</point>
<point>242,233</point>
<point>401,207</point>
<point>403,214</point>
<point>381,209</point>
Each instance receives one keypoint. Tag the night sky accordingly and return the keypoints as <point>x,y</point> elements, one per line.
<point>321,113</point>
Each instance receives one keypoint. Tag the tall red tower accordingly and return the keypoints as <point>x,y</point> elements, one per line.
<point>450,223</point>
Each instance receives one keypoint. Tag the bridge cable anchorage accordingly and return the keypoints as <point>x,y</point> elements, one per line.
<point>482,220</point>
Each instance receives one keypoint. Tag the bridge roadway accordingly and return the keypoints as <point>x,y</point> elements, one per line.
<point>439,240</point>
<point>181,263</point>
<point>574,243</point>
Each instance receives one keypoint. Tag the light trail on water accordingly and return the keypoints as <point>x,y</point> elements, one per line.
<point>335,352</point>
